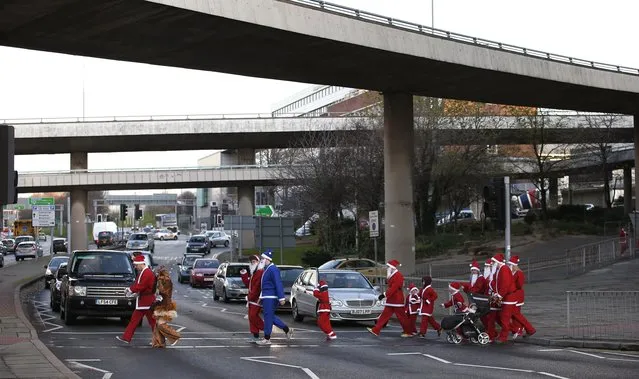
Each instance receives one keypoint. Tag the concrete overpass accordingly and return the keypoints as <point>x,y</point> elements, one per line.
<point>164,133</point>
<point>298,40</point>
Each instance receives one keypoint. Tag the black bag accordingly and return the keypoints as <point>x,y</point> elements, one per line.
<point>451,322</point>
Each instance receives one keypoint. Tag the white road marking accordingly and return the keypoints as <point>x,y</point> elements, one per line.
<point>551,375</point>
<point>308,371</point>
<point>588,354</point>
<point>622,359</point>
<point>404,354</point>
<point>493,367</point>
<point>76,362</point>
<point>436,358</point>
<point>223,310</point>
<point>621,354</point>
<point>551,349</point>
<point>43,311</point>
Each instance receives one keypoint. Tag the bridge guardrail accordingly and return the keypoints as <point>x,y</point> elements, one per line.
<point>191,168</point>
<point>418,28</point>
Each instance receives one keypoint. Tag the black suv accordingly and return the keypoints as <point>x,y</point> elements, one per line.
<point>95,284</point>
<point>105,238</point>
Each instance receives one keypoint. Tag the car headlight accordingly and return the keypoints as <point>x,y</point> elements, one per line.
<point>336,303</point>
<point>77,291</point>
<point>378,303</point>
<point>48,272</point>
<point>199,275</point>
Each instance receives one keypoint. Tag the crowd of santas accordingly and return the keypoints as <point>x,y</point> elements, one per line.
<point>501,282</point>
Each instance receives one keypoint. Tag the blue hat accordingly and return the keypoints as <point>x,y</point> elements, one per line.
<point>268,254</point>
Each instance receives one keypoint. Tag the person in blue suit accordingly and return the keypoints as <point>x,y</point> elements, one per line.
<point>271,296</point>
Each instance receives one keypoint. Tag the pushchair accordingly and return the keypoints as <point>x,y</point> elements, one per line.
<point>469,323</point>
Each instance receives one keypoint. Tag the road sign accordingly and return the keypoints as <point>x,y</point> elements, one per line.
<point>264,210</point>
<point>43,215</point>
<point>42,201</point>
<point>18,207</point>
<point>373,223</point>
<point>239,222</point>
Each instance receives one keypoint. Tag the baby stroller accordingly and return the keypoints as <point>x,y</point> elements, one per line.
<point>469,323</point>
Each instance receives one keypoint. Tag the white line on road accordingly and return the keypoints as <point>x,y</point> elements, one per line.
<point>436,358</point>
<point>588,354</point>
<point>76,363</point>
<point>308,371</point>
<point>621,354</point>
<point>404,354</point>
<point>547,350</point>
<point>493,367</point>
<point>551,375</point>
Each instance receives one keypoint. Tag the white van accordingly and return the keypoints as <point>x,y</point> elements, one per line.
<point>108,226</point>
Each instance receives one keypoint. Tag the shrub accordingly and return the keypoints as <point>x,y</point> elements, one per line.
<point>316,258</point>
<point>530,217</point>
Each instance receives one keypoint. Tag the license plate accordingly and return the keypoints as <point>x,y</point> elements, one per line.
<point>209,279</point>
<point>361,312</point>
<point>106,302</point>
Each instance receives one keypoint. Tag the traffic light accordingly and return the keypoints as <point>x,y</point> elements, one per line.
<point>8,177</point>
<point>494,202</point>
<point>124,212</point>
<point>138,212</point>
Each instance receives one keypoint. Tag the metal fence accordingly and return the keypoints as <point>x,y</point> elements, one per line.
<point>573,262</point>
<point>610,315</point>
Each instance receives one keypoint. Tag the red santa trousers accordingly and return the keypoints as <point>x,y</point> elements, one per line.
<point>504,316</point>
<point>137,316</point>
<point>386,315</point>
<point>489,323</point>
<point>423,327</point>
<point>412,322</point>
<point>324,323</point>
<point>255,321</point>
<point>520,321</point>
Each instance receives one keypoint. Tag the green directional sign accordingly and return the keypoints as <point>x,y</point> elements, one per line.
<point>264,210</point>
<point>18,207</point>
<point>42,201</point>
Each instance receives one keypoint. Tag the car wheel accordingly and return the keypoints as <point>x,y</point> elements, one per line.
<point>226,243</point>
<point>175,238</point>
<point>225,298</point>
<point>215,297</point>
<point>46,284</point>
<point>161,238</point>
<point>296,313</point>
<point>69,318</point>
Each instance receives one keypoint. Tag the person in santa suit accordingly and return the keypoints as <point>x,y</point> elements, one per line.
<point>456,299</point>
<point>427,298</point>
<point>324,310</point>
<point>504,295</point>
<point>272,295</point>
<point>519,323</point>
<point>252,279</point>
<point>490,318</point>
<point>411,307</point>
<point>394,300</point>
<point>477,283</point>
<point>144,291</point>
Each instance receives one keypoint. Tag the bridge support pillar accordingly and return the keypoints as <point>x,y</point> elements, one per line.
<point>79,199</point>
<point>553,192</point>
<point>636,130</point>
<point>246,198</point>
<point>627,189</point>
<point>398,180</point>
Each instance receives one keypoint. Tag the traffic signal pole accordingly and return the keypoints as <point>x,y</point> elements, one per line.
<point>507,216</point>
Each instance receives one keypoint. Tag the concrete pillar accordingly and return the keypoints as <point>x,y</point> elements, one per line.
<point>399,221</point>
<point>553,192</point>
<point>246,198</point>
<point>79,199</point>
<point>627,189</point>
<point>636,129</point>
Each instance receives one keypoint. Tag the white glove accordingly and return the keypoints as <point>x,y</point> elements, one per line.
<point>158,298</point>
<point>443,306</point>
<point>128,293</point>
<point>243,271</point>
<point>470,310</point>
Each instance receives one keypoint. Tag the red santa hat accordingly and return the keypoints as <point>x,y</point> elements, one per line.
<point>474,266</point>
<point>498,258</point>
<point>488,262</point>
<point>323,284</point>
<point>455,286</point>
<point>411,287</point>
<point>139,260</point>
<point>393,263</point>
<point>514,260</point>
<point>254,258</point>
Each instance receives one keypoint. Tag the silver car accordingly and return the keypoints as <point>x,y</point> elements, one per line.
<point>141,241</point>
<point>218,238</point>
<point>29,249</point>
<point>353,297</point>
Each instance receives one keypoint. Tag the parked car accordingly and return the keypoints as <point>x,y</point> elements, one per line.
<point>372,271</point>
<point>288,274</point>
<point>51,268</point>
<point>140,241</point>
<point>184,268</point>
<point>29,249</point>
<point>203,272</point>
<point>42,236</point>
<point>20,239</point>
<point>59,245</point>
<point>95,285</point>
<point>228,283</point>
<point>198,245</point>
<point>54,285</point>
<point>219,238</point>
<point>10,244</point>
<point>165,234</point>
<point>352,296</point>
<point>3,249</point>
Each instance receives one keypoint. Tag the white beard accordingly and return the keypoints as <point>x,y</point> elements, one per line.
<point>487,272</point>
<point>262,264</point>
<point>494,268</point>
<point>253,267</point>
<point>473,279</point>
<point>389,272</point>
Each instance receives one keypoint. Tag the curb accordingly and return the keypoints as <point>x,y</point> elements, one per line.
<point>34,335</point>
<point>584,344</point>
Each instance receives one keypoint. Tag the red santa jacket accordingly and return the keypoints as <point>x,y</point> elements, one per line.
<point>394,294</point>
<point>323,299</point>
<point>458,301</point>
<point>428,301</point>
<point>411,307</point>
<point>254,284</point>
<point>519,279</point>
<point>479,286</point>
<point>143,286</point>
<point>504,285</point>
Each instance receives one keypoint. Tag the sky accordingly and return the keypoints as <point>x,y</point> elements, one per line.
<point>47,85</point>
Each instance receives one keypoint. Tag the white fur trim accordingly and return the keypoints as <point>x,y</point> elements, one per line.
<point>393,305</point>
<point>266,257</point>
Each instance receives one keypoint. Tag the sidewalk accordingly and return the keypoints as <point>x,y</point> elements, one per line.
<point>22,354</point>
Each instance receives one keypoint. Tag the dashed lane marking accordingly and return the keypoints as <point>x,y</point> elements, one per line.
<point>308,371</point>
<point>636,360</point>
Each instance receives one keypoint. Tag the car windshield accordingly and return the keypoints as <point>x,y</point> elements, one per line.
<point>56,262</point>
<point>345,280</point>
<point>26,244</point>
<point>289,275</point>
<point>207,263</point>
<point>102,263</point>
<point>138,237</point>
<point>58,242</point>
<point>197,240</point>
<point>234,271</point>
<point>188,261</point>
<point>105,234</point>
<point>329,265</point>
<point>23,239</point>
